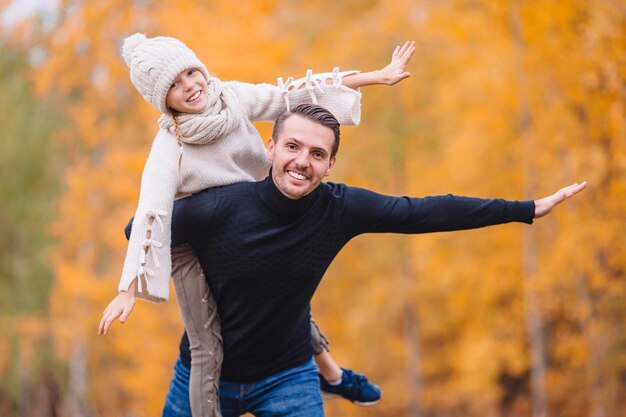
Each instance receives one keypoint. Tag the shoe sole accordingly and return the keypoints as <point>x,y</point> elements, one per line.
<point>330,396</point>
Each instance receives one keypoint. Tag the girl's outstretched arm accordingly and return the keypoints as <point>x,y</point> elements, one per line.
<point>390,75</point>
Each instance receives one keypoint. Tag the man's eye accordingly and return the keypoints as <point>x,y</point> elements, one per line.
<point>318,155</point>
<point>291,146</point>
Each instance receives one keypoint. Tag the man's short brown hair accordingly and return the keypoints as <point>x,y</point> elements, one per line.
<point>315,114</point>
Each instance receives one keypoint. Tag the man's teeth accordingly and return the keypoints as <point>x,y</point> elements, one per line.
<point>195,96</point>
<point>296,175</point>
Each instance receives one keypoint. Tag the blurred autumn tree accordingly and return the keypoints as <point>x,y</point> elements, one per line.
<point>510,99</point>
<point>29,187</point>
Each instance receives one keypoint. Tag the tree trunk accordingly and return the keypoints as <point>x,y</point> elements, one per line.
<point>529,262</point>
<point>596,347</point>
<point>413,364</point>
<point>414,378</point>
<point>78,371</point>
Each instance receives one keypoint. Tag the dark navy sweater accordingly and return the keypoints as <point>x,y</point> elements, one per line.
<point>264,255</point>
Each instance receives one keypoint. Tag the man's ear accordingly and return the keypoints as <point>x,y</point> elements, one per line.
<point>270,149</point>
<point>331,164</point>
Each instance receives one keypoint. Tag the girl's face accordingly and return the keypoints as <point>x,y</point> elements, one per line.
<point>188,93</point>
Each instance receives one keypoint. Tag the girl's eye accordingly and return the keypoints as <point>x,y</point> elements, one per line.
<point>191,72</point>
<point>174,85</point>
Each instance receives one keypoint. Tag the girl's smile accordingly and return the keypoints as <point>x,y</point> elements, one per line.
<point>188,92</point>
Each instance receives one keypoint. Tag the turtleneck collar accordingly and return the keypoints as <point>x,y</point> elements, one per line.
<point>281,205</point>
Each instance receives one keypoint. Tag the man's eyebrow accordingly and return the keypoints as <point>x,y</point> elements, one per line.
<point>317,148</point>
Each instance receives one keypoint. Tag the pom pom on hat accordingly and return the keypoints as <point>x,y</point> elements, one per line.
<point>130,44</point>
<point>155,63</point>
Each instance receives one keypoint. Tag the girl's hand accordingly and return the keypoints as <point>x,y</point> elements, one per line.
<point>390,75</point>
<point>395,71</point>
<point>121,306</point>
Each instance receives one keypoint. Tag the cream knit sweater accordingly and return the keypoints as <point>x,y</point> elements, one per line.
<point>236,157</point>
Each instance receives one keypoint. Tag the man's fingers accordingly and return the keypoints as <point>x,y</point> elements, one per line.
<point>576,188</point>
<point>572,190</point>
<point>567,192</point>
<point>545,205</point>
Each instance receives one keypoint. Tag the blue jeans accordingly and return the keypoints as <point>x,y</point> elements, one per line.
<point>177,399</point>
<point>291,393</point>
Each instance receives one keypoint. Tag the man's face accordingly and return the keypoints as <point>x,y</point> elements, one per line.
<point>300,156</point>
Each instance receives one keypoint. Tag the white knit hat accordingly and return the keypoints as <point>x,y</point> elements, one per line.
<point>154,64</point>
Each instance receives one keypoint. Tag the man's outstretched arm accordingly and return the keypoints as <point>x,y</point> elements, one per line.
<point>369,212</point>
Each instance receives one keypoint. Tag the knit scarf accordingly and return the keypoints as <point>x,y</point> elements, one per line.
<point>217,119</point>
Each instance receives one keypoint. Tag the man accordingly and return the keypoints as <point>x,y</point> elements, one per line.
<point>265,246</point>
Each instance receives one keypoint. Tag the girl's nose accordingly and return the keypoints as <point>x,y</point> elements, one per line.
<point>187,83</point>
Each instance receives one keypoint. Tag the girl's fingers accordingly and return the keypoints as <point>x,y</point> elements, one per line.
<point>101,326</point>
<point>406,46</point>
<point>409,52</point>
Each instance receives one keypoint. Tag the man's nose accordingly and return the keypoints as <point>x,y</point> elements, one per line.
<point>302,161</point>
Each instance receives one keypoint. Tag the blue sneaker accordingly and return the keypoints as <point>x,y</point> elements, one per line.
<point>353,387</point>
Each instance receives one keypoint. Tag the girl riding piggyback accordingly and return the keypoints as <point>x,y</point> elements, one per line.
<point>206,138</point>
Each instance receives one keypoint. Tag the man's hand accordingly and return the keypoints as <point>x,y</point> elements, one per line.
<point>121,306</point>
<point>395,71</point>
<point>546,204</point>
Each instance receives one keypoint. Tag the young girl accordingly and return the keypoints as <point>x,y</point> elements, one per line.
<point>207,139</point>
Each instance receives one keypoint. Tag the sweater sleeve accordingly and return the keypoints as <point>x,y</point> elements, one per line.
<point>265,102</point>
<point>367,212</point>
<point>148,255</point>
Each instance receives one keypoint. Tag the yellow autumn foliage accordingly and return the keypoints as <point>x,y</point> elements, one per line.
<point>505,97</point>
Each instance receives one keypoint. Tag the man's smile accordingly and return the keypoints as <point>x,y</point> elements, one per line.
<point>297,175</point>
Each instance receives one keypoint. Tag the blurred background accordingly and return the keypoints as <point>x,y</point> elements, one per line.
<point>509,99</point>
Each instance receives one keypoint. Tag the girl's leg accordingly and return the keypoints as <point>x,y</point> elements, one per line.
<point>328,368</point>
<point>337,381</point>
<point>199,312</point>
